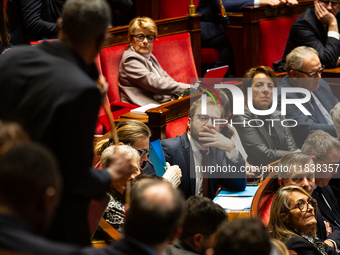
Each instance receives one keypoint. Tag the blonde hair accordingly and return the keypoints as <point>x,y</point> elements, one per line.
<point>127,150</point>
<point>142,22</point>
<point>280,212</point>
<point>128,132</point>
<point>280,246</point>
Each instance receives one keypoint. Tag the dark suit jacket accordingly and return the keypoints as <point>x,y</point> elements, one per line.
<point>322,233</point>
<point>209,9</point>
<point>303,247</point>
<point>333,216</point>
<point>308,123</point>
<point>123,246</point>
<point>33,20</point>
<point>307,30</point>
<point>177,151</point>
<point>49,91</point>
<point>335,185</point>
<point>15,235</point>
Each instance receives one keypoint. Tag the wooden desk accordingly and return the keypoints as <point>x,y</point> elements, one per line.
<point>232,215</point>
<point>244,31</point>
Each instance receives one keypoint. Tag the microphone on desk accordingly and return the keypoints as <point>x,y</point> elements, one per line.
<point>225,18</point>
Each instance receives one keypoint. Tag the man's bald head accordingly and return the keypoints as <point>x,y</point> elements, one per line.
<point>155,212</point>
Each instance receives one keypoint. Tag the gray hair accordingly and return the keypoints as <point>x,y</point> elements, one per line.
<point>335,112</point>
<point>319,143</point>
<point>85,20</point>
<point>295,58</point>
<point>130,152</point>
<point>292,159</point>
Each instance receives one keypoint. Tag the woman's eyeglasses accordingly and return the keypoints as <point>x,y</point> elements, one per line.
<point>141,38</point>
<point>303,205</point>
<point>143,152</point>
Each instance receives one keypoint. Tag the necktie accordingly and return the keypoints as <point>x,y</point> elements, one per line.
<point>318,112</point>
<point>205,180</point>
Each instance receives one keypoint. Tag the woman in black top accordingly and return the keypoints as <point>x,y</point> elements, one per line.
<point>265,141</point>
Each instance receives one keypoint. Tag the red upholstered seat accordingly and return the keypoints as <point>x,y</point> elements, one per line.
<point>265,214</point>
<point>210,56</point>
<point>174,8</point>
<point>176,127</point>
<point>260,207</point>
<point>174,54</point>
<point>103,122</point>
<point>110,59</point>
<point>273,38</point>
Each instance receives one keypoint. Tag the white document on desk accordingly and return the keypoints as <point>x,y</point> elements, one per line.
<point>234,203</point>
<point>143,109</point>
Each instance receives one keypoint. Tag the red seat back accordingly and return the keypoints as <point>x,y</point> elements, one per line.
<point>273,38</point>
<point>176,127</point>
<point>110,59</point>
<point>174,8</point>
<point>174,54</point>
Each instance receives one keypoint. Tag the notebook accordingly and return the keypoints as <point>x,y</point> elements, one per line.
<point>215,75</point>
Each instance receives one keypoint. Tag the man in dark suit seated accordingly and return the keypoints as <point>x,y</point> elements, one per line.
<point>317,27</point>
<point>152,220</point>
<point>196,237</point>
<point>203,150</point>
<point>304,71</point>
<point>296,170</point>
<point>30,189</point>
<point>325,151</point>
<point>51,90</point>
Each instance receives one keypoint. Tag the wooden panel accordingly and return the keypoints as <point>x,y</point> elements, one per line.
<point>190,24</point>
<point>160,116</point>
<point>244,31</point>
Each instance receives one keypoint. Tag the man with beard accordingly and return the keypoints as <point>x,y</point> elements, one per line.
<point>304,70</point>
<point>207,158</point>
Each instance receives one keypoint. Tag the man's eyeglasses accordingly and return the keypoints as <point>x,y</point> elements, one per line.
<point>143,152</point>
<point>205,118</point>
<point>312,74</point>
<point>303,205</point>
<point>141,38</point>
<point>326,2</point>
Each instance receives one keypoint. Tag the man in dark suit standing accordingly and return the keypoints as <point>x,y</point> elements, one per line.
<point>304,71</point>
<point>51,91</point>
<point>325,151</point>
<point>207,158</point>
<point>317,27</point>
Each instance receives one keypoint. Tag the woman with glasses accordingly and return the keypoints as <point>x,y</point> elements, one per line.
<point>265,141</point>
<point>114,213</point>
<point>293,221</point>
<point>137,135</point>
<point>141,78</point>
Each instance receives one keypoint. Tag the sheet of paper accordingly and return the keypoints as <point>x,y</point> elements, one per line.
<point>234,203</point>
<point>143,109</point>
